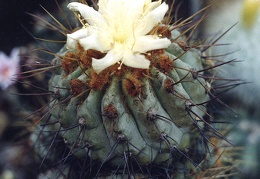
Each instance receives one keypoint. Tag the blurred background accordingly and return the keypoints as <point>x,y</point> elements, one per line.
<point>16,24</point>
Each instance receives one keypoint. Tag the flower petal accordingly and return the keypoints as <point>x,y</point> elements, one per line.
<point>101,64</point>
<point>147,43</point>
<point>136,61</point>
<point>102,7</point>
<point>73,38</point>
<point>149,6</point>
<point>93,17</point>
<point>121,12</point>
<point>134,9</point>
<point>3,56</point>
<point>93,41</point>
<point>15,54</point>
<point>149,21</point>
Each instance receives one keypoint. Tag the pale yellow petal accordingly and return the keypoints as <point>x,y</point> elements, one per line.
<point>101,64</point>
<point>149,6</point>
<point>102,6</point>
<point>136,61</point>
<point>134,10</point>
<point>149,21</point>
<point>72,39</point>
<point>93,17</point>
<point>93,41</point>
<point>148,43</point>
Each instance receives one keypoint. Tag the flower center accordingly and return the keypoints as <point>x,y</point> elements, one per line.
<point>120,38</point>
<point>5,71</point>
<point>123,41</point>
<point>122,31</point>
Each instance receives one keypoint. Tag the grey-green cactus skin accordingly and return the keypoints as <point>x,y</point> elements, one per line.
<point>156,125</point>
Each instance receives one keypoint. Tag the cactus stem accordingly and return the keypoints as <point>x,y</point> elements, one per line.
<point>154,122</point>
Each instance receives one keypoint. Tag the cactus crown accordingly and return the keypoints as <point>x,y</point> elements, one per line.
<point>119,29</point>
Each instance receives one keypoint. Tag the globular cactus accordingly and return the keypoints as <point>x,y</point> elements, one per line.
<point>128,100</point>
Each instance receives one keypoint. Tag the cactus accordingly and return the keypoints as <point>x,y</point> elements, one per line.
<point>145,118</point>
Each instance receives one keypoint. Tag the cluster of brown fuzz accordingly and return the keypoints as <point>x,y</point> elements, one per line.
<point>162,31</point>
<point>77,86</point>
<point>110,113</point>
<point>169,85</point>
<point>160,60</point>
<point>87,55</point>
<point>183,45</point>
<point>69,62</point>
<point>133,83</point>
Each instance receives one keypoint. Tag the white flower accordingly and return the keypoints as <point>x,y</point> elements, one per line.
<point>119,28</point>
<point>9,68</point>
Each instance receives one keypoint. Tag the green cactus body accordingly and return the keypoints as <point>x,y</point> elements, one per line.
<point>150,114</point>
<point>127,117</point>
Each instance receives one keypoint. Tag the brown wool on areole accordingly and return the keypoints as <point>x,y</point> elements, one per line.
<point>169,85</point>
<point>132,85</point>
<point>165,63</point>
<point>85,59</point>
<point>162,31</point>
<point>110,112</point>
<point>87,55</point>
<point>69,62</point>
<point>160,60</point>
<point>97,81</point>
<point>77,86</point>
<point>111,116</point>
<point>183,45</point>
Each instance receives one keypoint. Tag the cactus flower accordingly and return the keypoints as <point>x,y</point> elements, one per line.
<point>120,29</point>
<point>9,68</point>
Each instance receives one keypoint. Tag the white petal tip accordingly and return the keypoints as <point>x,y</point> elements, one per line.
<point>74,6</point>
<point>100,64</point>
